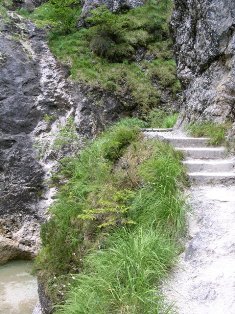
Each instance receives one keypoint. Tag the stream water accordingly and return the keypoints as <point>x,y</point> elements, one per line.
<point>18,288</point>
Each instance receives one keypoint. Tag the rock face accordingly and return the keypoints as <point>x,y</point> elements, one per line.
<point>27,4</point>
<point>30,89</point>
<point>204,34</point>
<point>36,103</point>
<point>20,173</point>
<point>113,5</point>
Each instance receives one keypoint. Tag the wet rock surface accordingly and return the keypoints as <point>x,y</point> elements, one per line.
<point>204,34</point>
<point>21,175</point>
<point>24,101</point>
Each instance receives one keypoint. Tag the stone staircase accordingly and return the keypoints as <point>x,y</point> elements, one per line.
<point>205,164</point>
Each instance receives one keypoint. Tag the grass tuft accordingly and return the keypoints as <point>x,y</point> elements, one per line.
<point>118,219</point>
<point>216,132</point>
<point>158,118</point>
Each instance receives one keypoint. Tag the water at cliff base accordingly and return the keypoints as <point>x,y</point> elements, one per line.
<point>18,288</point>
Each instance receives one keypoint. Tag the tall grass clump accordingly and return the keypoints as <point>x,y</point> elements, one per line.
<point>115,225</point>
<point>216,132</point>
<point>158,118</point>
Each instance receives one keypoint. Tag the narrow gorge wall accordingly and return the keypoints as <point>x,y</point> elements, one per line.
<point>28,93</point>
<point>36,102</point>
<point>204,34</point>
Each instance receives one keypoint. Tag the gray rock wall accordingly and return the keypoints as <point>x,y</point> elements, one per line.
<point>113,5</point>
<point>36,101</point>
<point>204,34</point>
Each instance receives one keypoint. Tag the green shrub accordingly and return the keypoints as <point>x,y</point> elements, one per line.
<point>158,118</point>
<point>4,5</point>
<point>124,275</point>
<point>61,15</point>
<point>121,279</point>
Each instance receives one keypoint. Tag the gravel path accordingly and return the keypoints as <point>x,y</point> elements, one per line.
<point>204,280</point>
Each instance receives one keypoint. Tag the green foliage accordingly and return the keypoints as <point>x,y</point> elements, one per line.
<point>122,278</point>
<point>116,37</point>
<point>158,118</point>
<point>104,54</point>
<point>92,186</point>
<point>4,5</point>
<point>61,15</point>
<point>118,219</point>
<point>216,132</point>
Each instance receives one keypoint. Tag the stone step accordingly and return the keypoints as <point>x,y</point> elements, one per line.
<point>204,178</point>
<point>188,141</point>
<point>203,152</point>
<point>214,165</point>
<point>156,130</point>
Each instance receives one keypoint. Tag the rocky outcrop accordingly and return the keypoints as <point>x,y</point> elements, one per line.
<point>30,89</point>
<point>204,34</point>
<point>112,5</point>
<point>21,175</point>
<point>27,4</point>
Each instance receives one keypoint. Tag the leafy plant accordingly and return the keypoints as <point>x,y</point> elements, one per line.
<point>67,135</point>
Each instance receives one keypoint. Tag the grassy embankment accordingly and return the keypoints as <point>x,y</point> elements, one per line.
<point>114,228</point>
<point>127,53</point>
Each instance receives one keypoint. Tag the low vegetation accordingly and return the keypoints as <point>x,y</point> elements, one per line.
<point>4,4</point>
<point>158,118</point>
<point>128,53</point>
<point>114,228</point>
<point>216,132</point>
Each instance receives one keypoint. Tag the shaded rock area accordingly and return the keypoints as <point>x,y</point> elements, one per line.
<point>21,175</point>
<point>29,5</point>
<point>204,34</point>
<point>112,5</point>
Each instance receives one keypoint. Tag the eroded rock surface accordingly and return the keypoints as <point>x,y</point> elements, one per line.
<point>204,33</point>
<point>31,87</point>
<point>113,5</point>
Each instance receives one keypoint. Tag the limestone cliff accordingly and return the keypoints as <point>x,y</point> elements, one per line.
<point>113,5</point>
<point>36,103</point>
<point>205,52</point>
